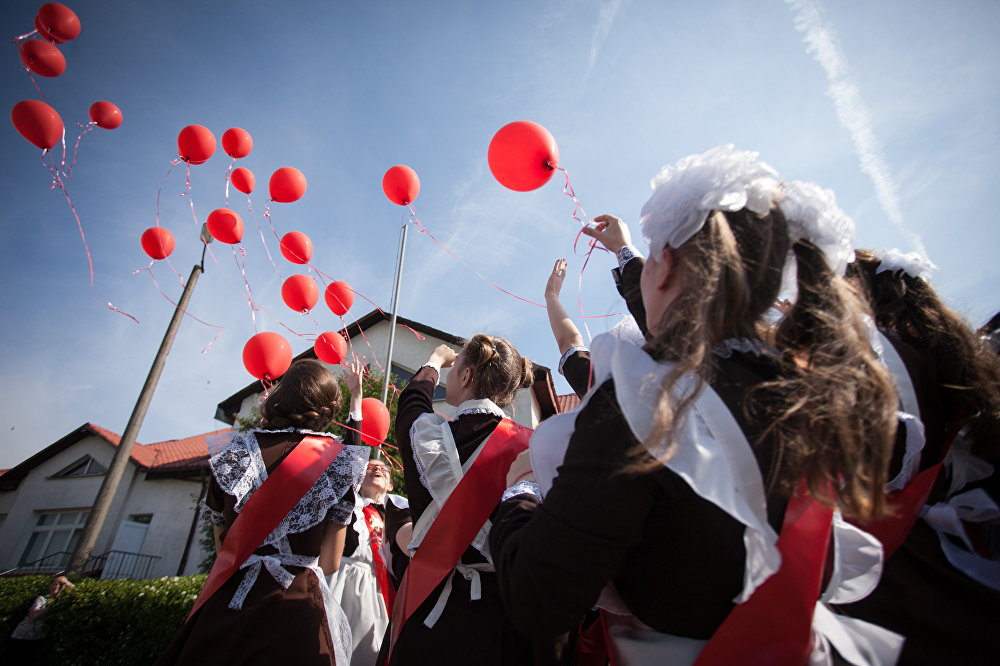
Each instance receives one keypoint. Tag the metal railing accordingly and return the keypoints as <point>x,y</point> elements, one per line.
<point>112,564</point>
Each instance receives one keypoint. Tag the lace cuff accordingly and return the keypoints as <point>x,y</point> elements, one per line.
<point>342,513</point>
<point>356,416</point>
<point>522,488</point>
<point>566,354</point>
<point>627,254</point>
<point>210,515</point>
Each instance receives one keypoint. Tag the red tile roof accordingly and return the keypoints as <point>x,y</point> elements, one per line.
<point>173,455</point>
<point>564,403</point>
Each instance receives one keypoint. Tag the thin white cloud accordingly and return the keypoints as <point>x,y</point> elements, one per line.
<point>605,20</point>
<point>851,110</point>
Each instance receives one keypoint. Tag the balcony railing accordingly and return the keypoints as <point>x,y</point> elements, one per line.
<point>112,564</point>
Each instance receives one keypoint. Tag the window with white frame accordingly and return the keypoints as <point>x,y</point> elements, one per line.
<point>55,532</point>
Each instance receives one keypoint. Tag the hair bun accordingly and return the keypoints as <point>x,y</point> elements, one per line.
<point>527,373</point>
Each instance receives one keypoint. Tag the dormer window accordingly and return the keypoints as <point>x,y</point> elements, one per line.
<point>85,466</point>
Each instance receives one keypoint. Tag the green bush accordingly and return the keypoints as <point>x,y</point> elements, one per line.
<point>16,595</point>
<point>112,622</point>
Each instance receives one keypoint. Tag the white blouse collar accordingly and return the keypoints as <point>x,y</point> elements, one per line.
<point>480,406</point>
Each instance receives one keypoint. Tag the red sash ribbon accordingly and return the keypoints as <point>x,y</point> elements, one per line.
<point>460,519</point>
<point>267,506</point>
<point>774,626</point>
<point>376,530</point>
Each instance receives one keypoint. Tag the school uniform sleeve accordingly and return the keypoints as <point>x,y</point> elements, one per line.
<point>627,281</point>
<point>414,401</point>
<point>576,369</point>
<point>553,558</point>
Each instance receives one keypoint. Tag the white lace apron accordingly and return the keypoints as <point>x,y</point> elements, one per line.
<point>239,470</point>
<point>714,458</point>
<point>440,469</point>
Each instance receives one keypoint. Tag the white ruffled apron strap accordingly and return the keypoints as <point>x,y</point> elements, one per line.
<point>856,641</point>
<point>468,571</point>
<point>275,565</point>
<point>909,414</point>
<point>946,518</point>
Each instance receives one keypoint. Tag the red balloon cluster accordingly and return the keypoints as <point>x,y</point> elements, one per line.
<point>57,23</point>
<point>339,297</point>
<point>106,115</point>
<point>267,356</point>
<point>243,180</point>
<point>195,144</point>
<point>287,184</point>
<point>401,185</point>
<point>300,293</point>
<point>157,242</point>
<point>296,247</point>
<point>42,58</point>
<point>330,347</point>
<point>225,226</point>
<point>374,421</point>
<point>237,142</point>
<point>37,122</point>
<point>523,156</point>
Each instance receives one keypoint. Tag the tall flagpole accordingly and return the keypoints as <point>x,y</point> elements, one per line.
<point>392,326</point>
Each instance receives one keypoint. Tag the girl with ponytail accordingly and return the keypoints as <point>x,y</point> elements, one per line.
<point>949,559</point>
<point>665,490</point>
<point>462,620</point>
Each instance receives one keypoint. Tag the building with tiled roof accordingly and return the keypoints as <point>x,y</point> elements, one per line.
<point>151,529</point>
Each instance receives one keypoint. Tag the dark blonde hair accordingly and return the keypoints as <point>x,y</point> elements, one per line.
<point>498,370</point>
<point>831,410</point>
<point>306,397</point>
<point>967,370</point>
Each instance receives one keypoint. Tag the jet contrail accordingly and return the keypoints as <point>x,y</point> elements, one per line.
<point>822,44</point>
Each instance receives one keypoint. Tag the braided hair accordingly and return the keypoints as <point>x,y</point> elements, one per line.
<point>307,397</point>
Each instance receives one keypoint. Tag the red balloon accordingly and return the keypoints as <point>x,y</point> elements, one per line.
<point>331,347</point>
<point>157,242</point>
<point>339,297</point>
<point>57,23</point>
<point>267,356</point>
<point>374,421</point>
<point>37,122</point>
<point>523,156</point>
<point>401,185</point>
<point>106,115</point>
<point>287,184</point>
<point>225,226</point>
<point>237,142</point>
<point>243,180</point>
<point>300,293</point>
<point>42,58</point>
<point>195,144</point>
<point>296,247</point>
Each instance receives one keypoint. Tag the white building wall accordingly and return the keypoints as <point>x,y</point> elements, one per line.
<point>170,501</point>
<point>38,493</point>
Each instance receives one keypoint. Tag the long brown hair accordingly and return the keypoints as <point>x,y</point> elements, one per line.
<point>968,372</point>
<point>832,421</point>
<point>498,370</point>
<point>307,397</point>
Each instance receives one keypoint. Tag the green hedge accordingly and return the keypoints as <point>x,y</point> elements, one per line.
<point>112,622</point>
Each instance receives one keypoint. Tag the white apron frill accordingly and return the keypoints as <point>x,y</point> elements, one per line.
<point>441,470</point>
<point>714,458</point>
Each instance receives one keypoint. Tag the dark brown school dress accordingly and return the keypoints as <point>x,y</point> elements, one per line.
<point>253,618</point>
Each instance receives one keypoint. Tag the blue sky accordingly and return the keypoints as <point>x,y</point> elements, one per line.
<point>344,90</point>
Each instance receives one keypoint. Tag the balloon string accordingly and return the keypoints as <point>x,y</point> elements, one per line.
<point>260,231</point>
<point>229,173</point>
<point>35,83</point>
<point>422,229</point>
<point>249,293</point>
<point>58,182</point>
<point>89,127</point>
<point>149,270</point>
<point>174,162</point>
<point>180,278</point>
<point>591,246</point>
<point>21,38</point>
